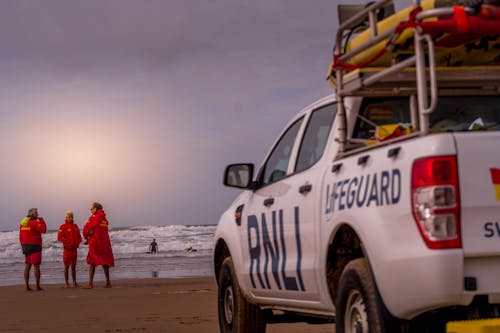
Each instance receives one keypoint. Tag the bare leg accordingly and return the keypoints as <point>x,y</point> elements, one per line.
<point>27,269</point>
<point>106,273</point>
<point>73,275</point>
<point>91,276</point>
<point>66,268</point>
<point>37,277</point>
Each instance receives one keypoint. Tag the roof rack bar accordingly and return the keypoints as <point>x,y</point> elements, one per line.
<point>367,45</point>
<point>390,70</point>
<point>350,88</point>
<point>425,106</point>
<point>372,20</point>
<point>432,75</point>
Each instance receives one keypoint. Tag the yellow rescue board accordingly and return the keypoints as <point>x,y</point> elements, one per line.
<point>474,326</point>
<point>383,26</point>
<point>445,56</point>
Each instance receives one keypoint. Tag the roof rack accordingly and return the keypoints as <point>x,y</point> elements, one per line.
<point>416,74</point>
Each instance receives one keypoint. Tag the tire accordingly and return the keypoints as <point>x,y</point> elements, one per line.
<point>236,314</point>
<point>359,307</point>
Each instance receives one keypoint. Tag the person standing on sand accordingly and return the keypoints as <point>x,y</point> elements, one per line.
<point>69,235</point>
<point>30,235</point>
<point>100,252</point>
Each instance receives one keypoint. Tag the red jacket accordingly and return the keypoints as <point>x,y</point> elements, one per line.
<point>69,235</point>
<point>32,232</point>
<point>96,232</point>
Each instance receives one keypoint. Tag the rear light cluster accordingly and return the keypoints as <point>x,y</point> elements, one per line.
<point>435,201</point>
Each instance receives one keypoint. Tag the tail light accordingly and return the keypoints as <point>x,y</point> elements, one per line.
<point>435,201</point>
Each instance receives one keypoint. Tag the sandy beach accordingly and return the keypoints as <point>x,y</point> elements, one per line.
<point>142,305</point>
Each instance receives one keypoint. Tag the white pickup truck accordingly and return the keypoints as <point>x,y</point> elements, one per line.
<point>378,207</point>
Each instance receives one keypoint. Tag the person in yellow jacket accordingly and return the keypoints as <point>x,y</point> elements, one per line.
<point>30,235</point>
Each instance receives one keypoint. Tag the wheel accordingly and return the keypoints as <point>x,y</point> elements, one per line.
<point>236,314</point>
<point>359,307</point>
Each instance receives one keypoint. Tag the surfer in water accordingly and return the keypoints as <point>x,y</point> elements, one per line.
<point>190,249</point>
<point>153,247</point>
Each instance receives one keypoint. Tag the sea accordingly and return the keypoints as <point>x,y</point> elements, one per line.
<point>183,251</point>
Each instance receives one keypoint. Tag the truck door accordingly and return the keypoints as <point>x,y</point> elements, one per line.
<point>262,232</point>
<point>280,232</point>
<point>302,203</point>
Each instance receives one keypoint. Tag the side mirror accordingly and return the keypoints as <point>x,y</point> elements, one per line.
<point>239,175</point>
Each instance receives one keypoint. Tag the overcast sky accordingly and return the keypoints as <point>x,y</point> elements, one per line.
<point>140,104</point>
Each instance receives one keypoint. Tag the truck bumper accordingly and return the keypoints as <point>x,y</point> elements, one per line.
<point>422,283</point>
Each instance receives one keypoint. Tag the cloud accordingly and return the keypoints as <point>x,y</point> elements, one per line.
<point>141,104</point>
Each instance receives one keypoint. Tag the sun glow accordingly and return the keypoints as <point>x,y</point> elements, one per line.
<point>59,161</point>
<point>82,159</point>
<point>86,156</point>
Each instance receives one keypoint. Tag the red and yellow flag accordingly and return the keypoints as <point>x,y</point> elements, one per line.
<point>495,179</point>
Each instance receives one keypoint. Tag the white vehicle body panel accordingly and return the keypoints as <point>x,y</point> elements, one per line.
<point>480,209</point>
<point>374,199</point>
<point>385,223</point>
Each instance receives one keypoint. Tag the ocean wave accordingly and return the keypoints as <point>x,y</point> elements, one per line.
<point>131,242</point>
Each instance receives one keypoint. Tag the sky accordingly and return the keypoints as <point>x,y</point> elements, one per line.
<point>140,105</point>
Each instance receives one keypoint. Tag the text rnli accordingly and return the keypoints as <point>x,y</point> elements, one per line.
<point>373,189</point>
<point>276,249</point>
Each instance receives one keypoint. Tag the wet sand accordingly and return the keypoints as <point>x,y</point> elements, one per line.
<point>144,305</point>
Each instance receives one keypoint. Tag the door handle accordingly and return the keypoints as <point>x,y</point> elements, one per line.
<point>363,160</point>
<point>336,167</point>
<point>393,152</point>
<point>268,202</point>
<point>305,188</point>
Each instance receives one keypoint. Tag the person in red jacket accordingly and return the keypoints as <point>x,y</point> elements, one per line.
<point>70,236</point>
<point>30,235</point>
<point>100,252</point>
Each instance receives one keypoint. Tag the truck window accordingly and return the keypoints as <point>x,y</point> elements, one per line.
<point>466,113</point>
<point>381,111</point>
<point>452,114</point>
<point>315,137</point>
<point>277,164</point>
